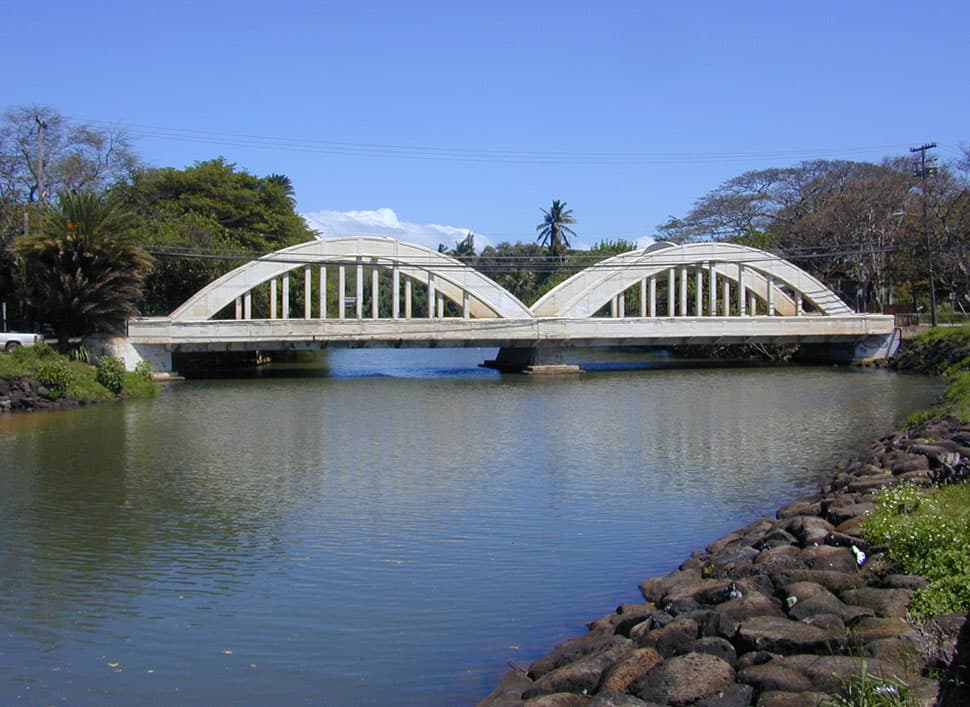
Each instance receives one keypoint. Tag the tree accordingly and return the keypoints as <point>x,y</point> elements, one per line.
<point>204,220</point>
<point>464,249</point>
<point>41,153</point>
<point>554,228</point>
<point>85,271</point>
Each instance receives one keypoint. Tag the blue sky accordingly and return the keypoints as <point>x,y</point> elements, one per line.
<point>398,116</point>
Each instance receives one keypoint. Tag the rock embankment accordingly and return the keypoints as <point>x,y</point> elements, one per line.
<point>27,394</point>
<point>781,612</point>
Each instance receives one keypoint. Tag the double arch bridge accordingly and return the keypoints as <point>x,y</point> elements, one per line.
<point>365,291</point>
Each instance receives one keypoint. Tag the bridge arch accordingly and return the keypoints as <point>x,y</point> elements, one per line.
<point>475,295</point>
<point>779,287</point>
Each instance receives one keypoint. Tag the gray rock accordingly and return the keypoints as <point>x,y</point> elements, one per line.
<point>580,676</point>
<point>717,646</point>
<point>631,667</point>
<point>885,602</point>
<point>509,691</point>
<point>575,649</point>
<point>611,698</point>
<point>736,695</point>
<point>675,638</point>
<point>775,676</point>
<point>792,699</point>
<point>780,635</point>
<point>685,679</point>
<point>732,613</point>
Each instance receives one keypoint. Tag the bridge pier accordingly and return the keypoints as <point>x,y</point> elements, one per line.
<point>534,360</point>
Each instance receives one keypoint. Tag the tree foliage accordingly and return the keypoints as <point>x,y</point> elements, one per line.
<point>43,153</point>
<point>85,270</point>
<point>554,231</point>
<point>855,225</point>
<point>204,220</point>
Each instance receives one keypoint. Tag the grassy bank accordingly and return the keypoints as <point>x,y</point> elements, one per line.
<point>69,379</point>
<point>927,530</point>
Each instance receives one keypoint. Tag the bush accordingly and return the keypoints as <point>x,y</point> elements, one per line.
<point>927,531</point>
<point>56,375</point>
<point>111,373</point>
<point>144,370</point>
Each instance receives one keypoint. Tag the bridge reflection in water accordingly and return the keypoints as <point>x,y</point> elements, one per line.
<point>406,295</point>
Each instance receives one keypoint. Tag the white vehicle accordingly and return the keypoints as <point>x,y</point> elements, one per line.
<point>11,340</point>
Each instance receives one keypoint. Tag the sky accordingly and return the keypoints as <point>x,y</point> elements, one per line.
<point>426,120</point>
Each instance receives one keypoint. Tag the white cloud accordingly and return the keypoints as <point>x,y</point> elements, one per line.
<point>385,222</point>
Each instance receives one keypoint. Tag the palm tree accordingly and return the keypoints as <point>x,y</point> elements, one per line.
<point>85,270</point>
<point>553,229</point>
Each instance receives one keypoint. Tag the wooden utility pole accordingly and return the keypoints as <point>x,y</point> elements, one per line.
<point>922,173</point>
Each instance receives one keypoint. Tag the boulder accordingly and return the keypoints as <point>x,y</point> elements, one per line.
<point>885,602</point>
<point>780,635</point>
<point>675,638</point>
<point>580,676</point>
<point>775,675</point>
<point>575,649</point>
<point>717,646</point>
<point>775,698</point>
<point>685,679</point>
<point>735,695</point>
<point>631,667</point>
<point>735,611</point>
<point>612,698</point>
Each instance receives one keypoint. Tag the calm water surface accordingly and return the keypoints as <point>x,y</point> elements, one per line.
<point>391,532</point>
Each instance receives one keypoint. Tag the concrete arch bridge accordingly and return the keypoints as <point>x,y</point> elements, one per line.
<point>366,291</point>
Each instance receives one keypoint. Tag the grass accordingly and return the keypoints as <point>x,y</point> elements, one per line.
<point>868,690</point>
<point>69,378</point>
<point>927,531</point>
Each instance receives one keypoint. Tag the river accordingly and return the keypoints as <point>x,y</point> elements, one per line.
<point>390,530</point>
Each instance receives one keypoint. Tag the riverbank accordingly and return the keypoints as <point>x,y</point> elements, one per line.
<point>797,609</point>
<point>39,378</point>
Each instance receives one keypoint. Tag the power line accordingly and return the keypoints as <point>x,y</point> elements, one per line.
<point>483,155</point>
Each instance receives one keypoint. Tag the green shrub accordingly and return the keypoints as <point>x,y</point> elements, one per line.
<point>56,375</point>
<point>927,531</point>
<point>111,373</point>
<point>144,370</point>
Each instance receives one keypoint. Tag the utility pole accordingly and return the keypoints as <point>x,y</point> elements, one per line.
<point>922,172</point>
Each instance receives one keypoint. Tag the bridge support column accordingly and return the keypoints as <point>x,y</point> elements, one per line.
<point>536,360</point>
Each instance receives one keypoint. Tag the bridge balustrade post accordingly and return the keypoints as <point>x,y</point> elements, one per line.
<point>239,309</point>
<point>440,306</point>
<point>712,277</point>
<point>408,292</point>
<point>248,305</point>
<point>799,308</point>
<point>359,289</point>
<point>286,295</point>
<point>272,298</point>
<point>466,305</point>
<point>341,294</point>
<point>323,291</point>
<point>613,307</point>
<point>671,291</point>
<point>683,290</point>
<point>699,295</point>
<point>726,297</point>
<point>307,293</point>
<point>653,296</point>
<point>752,305</point>
<point>374,286</point>
<point>396,291</point>
<point>771,296</point>
<point>431,295</point>
<point>643,297</point>
<point>742,293</point>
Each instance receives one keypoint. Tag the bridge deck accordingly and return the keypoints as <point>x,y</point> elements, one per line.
<point>598,331</point>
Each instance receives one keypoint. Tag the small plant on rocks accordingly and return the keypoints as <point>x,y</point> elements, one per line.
<point>111,373</point>
<point>868,690</point>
